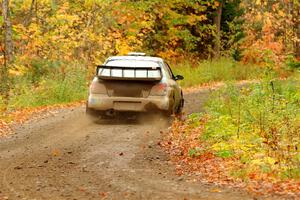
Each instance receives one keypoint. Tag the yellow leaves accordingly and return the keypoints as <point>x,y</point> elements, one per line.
<point>260,2</point>
<point>216,4</point>
<point>26,4</point>
<point>89,3</point>
<point>68,27</point>
<point>17,70</point>
<point>221,146</point>
<point>216,190</point>
<point>268,22</point>
<point>14,72</point>
<point>258,17</point>
<point>147,25</point>
<point>262,162</point>
<point>122,47</point>
<point>281,13</point>
<point>194,19</point>
<point>202,17</point>
<point>2,59</point>
<point>33,29</point>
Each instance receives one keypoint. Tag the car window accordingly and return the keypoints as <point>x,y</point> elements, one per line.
<point>169,71</point>
<point>132,63</point>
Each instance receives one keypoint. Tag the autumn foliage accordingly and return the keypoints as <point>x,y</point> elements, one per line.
<point>272,31</point>
<point>247,137</point>
<point>87,32</point>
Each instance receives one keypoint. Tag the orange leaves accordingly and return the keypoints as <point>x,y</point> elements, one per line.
<point>216,4</point>
<point>9,119</point>
<point>268,47</point>
<point>55,152</point>
<point>270,33</point>
<point>4,128</point>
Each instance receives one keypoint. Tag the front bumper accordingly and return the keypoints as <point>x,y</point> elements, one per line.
<point>103,102</point>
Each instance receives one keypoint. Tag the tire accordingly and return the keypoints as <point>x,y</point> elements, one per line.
<point>180,107</point>
<point>172,107</point>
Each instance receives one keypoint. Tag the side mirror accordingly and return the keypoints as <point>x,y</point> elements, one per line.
<point>178,78</point>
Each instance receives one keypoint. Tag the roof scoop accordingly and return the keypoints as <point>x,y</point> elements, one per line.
<point>136,54</point>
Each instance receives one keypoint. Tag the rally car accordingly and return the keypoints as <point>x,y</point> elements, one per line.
<point>134,83</point>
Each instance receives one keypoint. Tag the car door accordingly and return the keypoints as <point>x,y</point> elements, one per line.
<point>174,85</point>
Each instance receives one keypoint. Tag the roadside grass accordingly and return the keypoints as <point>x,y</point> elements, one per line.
<point>256,128</point>
<point>259,124</point>
<point>216,71</point>
<point>49,85</point>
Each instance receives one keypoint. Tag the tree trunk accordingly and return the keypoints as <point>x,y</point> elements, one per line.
<point>7,31</point>
<point>217,22</point>
<point>28,19</point>
<point>297,45</point>
<point>297,27</point>
<point>8,52</point>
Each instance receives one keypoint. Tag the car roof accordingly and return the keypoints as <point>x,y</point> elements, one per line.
<point>136,58</point>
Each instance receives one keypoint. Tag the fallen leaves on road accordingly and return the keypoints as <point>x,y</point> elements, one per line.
<point>56,152</point>
<point>4,128</point>
<point>9,119</point>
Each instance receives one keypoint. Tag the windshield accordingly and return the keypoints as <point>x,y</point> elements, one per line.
<point>132,63</point>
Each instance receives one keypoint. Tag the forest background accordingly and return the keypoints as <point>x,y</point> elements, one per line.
<point>49,48</point>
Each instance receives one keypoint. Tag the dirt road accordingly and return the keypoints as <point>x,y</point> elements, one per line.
<point>64,156</point>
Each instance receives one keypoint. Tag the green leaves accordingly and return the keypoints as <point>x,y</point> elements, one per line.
<point>260,119</point>
<point>1,20</point>
<point>53,5</point>
<point>224,153</point>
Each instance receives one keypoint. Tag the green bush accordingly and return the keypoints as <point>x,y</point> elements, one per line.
<point>41,68</point>
<point>259,123</point>
<point>51,88</point>
<point>292,63</point>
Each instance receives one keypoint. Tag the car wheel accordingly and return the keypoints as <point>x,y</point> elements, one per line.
<point>171,107</point>
<point>180,107</point>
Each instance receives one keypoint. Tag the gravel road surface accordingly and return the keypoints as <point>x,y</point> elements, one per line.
<point>64,156</point>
